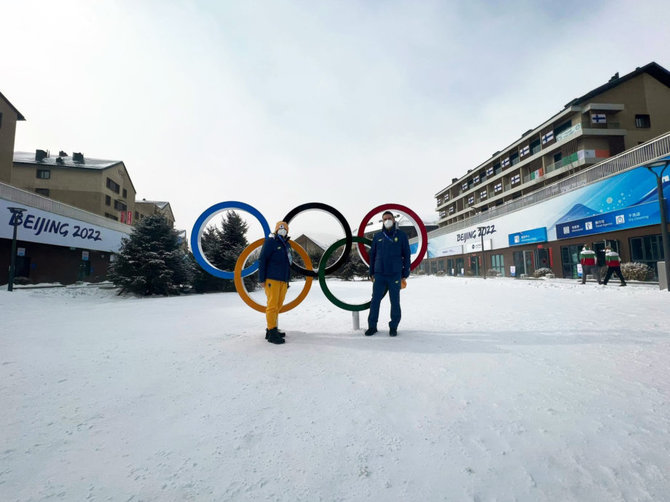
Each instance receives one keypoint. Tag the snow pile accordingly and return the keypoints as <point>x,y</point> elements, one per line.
<point>494,389</point>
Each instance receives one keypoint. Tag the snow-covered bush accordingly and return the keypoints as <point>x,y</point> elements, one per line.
<point>541,272</point>
<point>636,271</point>
<point>492,272</point>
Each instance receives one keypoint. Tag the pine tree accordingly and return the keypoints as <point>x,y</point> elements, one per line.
<point>353,267</point>
<point>203,281</point>
<point>151,261</point>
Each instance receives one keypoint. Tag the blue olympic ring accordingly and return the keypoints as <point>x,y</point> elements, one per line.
<point>199,227</point>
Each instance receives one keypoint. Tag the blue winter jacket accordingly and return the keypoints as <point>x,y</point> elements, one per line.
<point>389,253</point>
<point>274,262</point>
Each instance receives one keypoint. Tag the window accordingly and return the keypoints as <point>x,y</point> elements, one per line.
<point>0,120</point>
<point>642,121</point>
<point>496,168</point>
<point>514,158</point>
<point>44,174</point>
<point>111,216</point>
<point>498,264</point>
<point>108,200</point>
<point>137,216</point>
<point>125,193</point>
<point>535,146</point>
<point>563,127</point>
<point>120,205</point>
<point>557,157</point>
<point>113,186</point>
<point>647,250</point>
<point>42,191</point>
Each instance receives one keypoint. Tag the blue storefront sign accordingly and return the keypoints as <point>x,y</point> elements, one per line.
<point>630,217</point>
<point>528,236</point>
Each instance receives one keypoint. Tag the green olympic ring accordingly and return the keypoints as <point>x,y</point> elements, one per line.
<point>322,276</point>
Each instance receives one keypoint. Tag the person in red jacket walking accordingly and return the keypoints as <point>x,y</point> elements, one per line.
<point>589,266</point>
<point>613,266</point>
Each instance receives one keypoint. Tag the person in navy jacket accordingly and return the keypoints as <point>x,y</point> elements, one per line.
<point>274,272</point>
<point>390,261</point>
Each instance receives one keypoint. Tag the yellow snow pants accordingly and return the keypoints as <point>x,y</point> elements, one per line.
<point>276,292</point>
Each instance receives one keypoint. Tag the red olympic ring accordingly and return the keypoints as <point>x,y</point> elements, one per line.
<point>403,209</point>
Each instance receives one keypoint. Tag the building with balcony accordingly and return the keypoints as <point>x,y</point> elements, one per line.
<point>578,178</point>
<point>624,112</point>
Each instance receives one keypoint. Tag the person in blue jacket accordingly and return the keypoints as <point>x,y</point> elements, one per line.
<point>274,272</point>
<point>390,261</point>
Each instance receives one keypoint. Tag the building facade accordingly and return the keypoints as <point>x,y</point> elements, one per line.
<point>8,118</point>
<point>606,121</point>
<point>55,242</point>
<point>144,208</point>
<point>102,187</point>
<point>577,178</point>
<point>75,211</point>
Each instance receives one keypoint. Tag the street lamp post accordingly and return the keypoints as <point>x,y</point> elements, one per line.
<point>481,233</point>
<point>16,215</point>
<point>664,222</point>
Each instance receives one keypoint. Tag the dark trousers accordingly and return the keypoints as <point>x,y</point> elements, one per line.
<point>617,272</point>
<point>382,284</point>
<point>590,269</point>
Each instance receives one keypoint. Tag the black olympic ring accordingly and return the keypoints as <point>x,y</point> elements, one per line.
<point>345,226</point>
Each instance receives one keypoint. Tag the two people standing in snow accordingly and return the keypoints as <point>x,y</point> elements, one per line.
<point>274,272</point>
<point>390,261</point>
<point>589,263</point>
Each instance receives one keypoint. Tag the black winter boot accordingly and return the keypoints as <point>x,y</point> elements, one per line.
<point>281,333</point>
<point>273,336</point>
<point>371,331</point>
<point>393,331</point>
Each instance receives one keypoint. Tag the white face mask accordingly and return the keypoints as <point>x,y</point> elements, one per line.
<point>388,224</point>
<point>282,232</point>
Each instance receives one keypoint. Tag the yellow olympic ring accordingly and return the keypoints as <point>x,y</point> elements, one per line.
<point>242,290</point>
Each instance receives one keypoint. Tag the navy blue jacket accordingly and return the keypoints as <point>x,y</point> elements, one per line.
<point>274,261</point>
<point>389,253</point>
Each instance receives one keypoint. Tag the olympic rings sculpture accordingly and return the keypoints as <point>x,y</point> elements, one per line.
<point>241,270</point>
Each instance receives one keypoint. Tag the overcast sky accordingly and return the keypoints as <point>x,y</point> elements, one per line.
<point>277,103</point>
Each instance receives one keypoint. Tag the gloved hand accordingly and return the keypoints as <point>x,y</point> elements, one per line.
<point>403,283</point>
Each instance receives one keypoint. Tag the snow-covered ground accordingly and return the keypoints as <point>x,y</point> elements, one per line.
<point>493,390</point>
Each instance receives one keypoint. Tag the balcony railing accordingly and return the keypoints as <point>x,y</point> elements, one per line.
<point>634,157</point>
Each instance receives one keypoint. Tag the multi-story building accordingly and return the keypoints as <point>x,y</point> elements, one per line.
<point>8,118</point>
<point>101,187</point>
<point>578,178</point>
<point>55,242</point>
<point>614,117</point>
<point>144,208</point>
